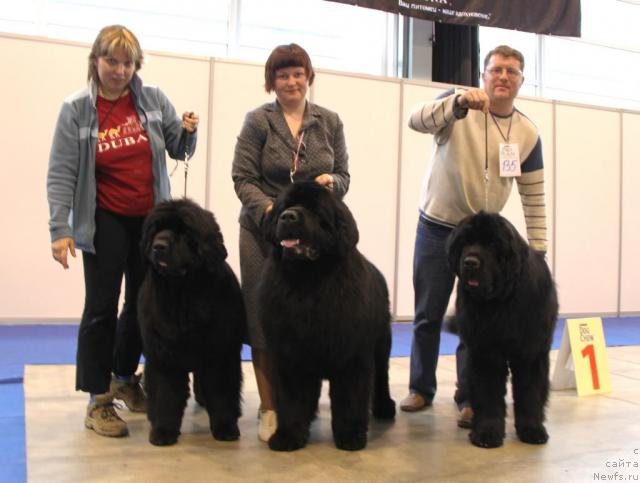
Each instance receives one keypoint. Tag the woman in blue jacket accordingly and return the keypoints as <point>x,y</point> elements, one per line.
<point>106,171</point>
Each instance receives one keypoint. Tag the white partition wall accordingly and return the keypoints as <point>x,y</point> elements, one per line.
<point>31,283</point>
<point>630,253</point>
<point>369,110</point>
<point>591,168</point>
<point>587,209</point>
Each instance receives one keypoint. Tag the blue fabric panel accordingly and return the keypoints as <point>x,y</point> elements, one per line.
<point>12,442</point>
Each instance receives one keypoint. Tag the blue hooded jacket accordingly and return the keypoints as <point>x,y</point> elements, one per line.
<point>71,180</point>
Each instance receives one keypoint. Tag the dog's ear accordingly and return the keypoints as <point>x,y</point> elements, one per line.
<point>204,229</point>
<point>518,249</point>
<point>510,249</point>
<point>149,229</point>
<point>347,233</point>
<point>211,245</point>
<point>454,244</point>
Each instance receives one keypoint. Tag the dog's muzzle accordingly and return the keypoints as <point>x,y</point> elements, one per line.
<point>161,255</point>
<point>470,267</point>
<point>159,252</point>
<point>289,223</point>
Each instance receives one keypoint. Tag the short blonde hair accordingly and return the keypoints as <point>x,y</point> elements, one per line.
<point>109,39</point>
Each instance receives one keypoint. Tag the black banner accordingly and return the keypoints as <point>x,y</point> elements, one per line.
<point>556,17</point>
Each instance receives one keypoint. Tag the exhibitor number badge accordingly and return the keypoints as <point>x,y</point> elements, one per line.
<point>509,160</point>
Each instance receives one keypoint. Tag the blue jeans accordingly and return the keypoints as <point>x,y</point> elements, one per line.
<point>433,283</point>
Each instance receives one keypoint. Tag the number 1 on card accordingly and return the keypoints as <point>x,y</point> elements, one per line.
<point>589,352</point>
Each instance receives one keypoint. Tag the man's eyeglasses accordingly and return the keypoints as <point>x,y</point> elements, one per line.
<point>512,72</point>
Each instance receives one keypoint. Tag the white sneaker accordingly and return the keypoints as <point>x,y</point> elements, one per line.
<point>267,424</point>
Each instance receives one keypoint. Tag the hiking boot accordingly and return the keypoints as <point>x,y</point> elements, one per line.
<point>103,418</point>
<point>130,393</point>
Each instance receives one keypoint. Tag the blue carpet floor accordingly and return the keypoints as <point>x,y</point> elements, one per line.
<point>56,344</point>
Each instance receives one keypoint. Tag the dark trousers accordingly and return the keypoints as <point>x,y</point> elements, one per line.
<point>433,282</point>
<point>108,343</point>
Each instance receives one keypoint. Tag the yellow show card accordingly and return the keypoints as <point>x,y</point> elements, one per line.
<point>589,355</point>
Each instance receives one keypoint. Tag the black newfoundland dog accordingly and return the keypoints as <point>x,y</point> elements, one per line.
<point>506,310</point>
<point>326,316</point>
<point>192,319</point>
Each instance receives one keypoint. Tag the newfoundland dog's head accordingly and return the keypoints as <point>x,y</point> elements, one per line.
<point>487,253</point>
<point>181,238</point>
<point>308,222</point>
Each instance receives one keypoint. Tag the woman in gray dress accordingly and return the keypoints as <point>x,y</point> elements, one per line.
<point>283,141</point>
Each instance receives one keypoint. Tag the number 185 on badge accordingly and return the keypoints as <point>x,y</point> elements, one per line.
<point>509,160</point>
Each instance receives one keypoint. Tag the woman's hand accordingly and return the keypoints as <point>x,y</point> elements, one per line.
<point>190,121</point>
<point>325,180</point>
<point>59,250</point>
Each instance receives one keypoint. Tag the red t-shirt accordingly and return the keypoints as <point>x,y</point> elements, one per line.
<point>124,177</point>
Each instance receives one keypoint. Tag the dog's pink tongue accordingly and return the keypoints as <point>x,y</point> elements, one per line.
<point>289,243</point>
<point>473,283</point>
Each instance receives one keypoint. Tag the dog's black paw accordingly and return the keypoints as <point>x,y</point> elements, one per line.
<point>533,434</point>
<point>350,441</point>
<point>225,431</point>
<point>163,437</point>
<point>287,441</point>
<point>487,438</point>
<point>384,410</point>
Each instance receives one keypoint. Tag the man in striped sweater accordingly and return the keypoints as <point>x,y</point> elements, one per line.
<point>481,143</point>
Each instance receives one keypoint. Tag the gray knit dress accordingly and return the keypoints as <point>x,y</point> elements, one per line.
<point>262,162</point>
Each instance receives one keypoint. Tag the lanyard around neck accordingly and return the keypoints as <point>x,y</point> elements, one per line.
<point>296,157</point>
<point>486,152</point>
<point>113,106</point>
<point>505,138</point>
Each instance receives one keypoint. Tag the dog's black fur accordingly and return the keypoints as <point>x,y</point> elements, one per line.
<point>506,310</point>
<point>325,312</point>
<point>192,319</point>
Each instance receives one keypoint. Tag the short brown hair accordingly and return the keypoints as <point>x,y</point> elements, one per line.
<point>291,55</point>
<point>505,51</point>
<point>110,38</point>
